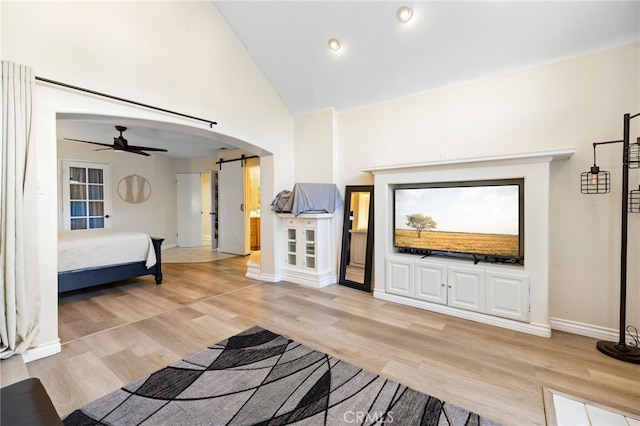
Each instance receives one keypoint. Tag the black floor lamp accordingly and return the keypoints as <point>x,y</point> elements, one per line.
<point>596,181</point>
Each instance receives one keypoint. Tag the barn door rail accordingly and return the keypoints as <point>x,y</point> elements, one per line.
<point>242,158</point>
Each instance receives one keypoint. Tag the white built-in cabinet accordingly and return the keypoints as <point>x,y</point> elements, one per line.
<point>308,246</point>
<point>496,290</point>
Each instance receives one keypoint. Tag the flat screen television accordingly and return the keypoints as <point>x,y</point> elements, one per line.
<point>482,220</point>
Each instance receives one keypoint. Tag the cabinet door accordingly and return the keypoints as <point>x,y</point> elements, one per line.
<point>431,282</point>
<point>309,248</point>
<point>508,295</point>
<point>466,288</point>
<point>400,277</point>
<point>291,248</point>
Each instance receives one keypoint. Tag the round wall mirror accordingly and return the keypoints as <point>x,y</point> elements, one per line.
<point>134,189</point>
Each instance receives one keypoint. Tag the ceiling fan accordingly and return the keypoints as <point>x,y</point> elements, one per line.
<point>121,144</point>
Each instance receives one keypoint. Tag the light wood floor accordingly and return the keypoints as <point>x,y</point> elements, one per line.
<point>118,334</point>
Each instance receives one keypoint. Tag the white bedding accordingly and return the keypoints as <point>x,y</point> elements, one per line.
<point>90,248</point>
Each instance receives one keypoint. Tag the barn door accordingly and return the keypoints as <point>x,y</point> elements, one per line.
<point>233,220</point>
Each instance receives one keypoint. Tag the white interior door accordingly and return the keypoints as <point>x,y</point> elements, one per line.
<point>189,210</point>
<point>233,217</point>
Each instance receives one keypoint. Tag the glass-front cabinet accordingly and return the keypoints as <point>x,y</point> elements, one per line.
<point>307,245</point>
<point>310,248</point>
<point>309,256</point>
<point>292,243</point>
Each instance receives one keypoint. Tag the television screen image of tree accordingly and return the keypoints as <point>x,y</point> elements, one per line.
<point>476,220</point>
<point>421,222</point>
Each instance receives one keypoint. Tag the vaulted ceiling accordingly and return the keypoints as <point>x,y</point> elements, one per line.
<point>446,43</point>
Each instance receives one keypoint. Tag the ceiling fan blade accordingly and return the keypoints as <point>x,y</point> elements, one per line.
<point>144,148</point>
<point>95,143</point>
<point>135,151</point>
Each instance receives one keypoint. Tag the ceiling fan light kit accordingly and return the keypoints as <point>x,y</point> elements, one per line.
<point>120,144</point>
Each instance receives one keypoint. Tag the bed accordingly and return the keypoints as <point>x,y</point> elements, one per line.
<point>91,257</point>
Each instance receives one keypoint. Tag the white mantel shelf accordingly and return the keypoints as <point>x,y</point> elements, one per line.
<point>505,159</point>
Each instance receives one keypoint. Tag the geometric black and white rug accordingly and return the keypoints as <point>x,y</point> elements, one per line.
<point>261,378</point>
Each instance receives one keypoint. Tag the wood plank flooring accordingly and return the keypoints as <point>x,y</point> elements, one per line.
<point>117,334</point>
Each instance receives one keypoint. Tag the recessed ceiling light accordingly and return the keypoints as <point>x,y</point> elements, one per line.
<point>404,14</point>
<point>334,44</point>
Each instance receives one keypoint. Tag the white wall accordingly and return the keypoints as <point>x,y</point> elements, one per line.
<point>197,165</point>
<point>176,55</point>
<point>157,215</point>
<point>572,103</point>
<point>315,147</point>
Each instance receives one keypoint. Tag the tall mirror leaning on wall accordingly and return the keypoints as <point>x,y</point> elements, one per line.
<point>356,261</point>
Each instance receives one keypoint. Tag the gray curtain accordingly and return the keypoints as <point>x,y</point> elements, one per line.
<point>20,296</point>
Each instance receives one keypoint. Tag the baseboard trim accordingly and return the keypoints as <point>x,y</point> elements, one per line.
<point>42,351</point>
<point>541,330</point>
<point>168,246</point>
<point>253,271</point>
<point>309,279</point>
<point>588,330</point>
<point>270,278</point>
<point>252,275</point>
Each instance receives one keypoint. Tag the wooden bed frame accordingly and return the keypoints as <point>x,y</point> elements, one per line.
<point>83,278</point>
